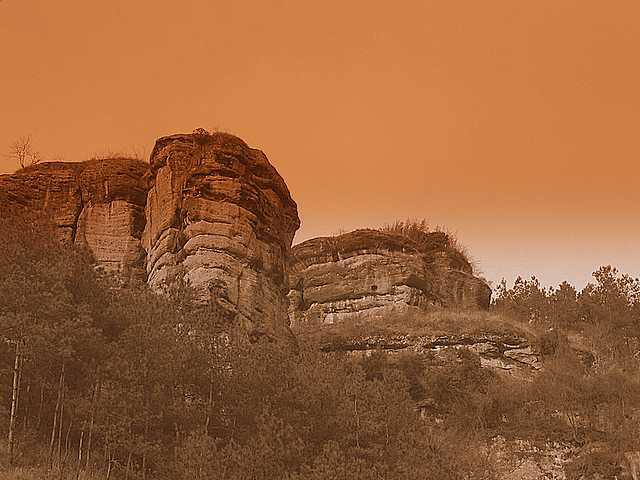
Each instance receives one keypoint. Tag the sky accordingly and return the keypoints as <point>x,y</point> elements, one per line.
<point>511,123</point>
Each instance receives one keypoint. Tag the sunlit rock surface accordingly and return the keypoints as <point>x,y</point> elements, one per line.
<point>220,216</point>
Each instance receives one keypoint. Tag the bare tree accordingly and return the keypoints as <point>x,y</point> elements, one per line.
<point>22,151</point>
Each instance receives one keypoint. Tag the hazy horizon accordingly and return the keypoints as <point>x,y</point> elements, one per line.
<point>510,124</point>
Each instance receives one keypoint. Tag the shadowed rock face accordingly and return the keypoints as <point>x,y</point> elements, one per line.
<point>369,273</point>
<point>220,216</point>
<point>49,187</point>
<point>98,204</point>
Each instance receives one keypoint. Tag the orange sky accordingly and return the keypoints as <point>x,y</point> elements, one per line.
<point>511,122</point>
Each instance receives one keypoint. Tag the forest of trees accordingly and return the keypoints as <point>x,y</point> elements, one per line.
<point>607,310</point>
<point>104,380</point>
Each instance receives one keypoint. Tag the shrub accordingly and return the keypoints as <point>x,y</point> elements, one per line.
<point>551,342</point>
<point>427,240</point>
<point>598,464</point>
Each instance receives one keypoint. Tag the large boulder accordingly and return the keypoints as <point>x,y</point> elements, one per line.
<point>371,273</point>
<point>98,204</point>
<point>219,216</point>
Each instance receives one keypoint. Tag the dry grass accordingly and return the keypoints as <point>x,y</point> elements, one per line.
<point>30,464</point>
<point>427,239</point>
<point>135,153</point>
<point>41,473</point>
<point>419,323</point>
<point>26,473</point>
<point>458,322</point>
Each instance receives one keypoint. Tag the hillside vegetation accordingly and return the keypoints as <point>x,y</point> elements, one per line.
<point>112,379</point>
<point>104,380</point>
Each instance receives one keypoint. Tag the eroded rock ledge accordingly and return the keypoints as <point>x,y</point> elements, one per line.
<point>368,273</point>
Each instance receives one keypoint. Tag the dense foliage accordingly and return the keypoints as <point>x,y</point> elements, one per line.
<point>107,379</point>
<point>101,377</point>
<point>606,312</point>
<point>589,391</point>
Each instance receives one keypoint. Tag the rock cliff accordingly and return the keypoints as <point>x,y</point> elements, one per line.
<point>371,273</point>
<point>211,210</point>
<point>98,204</point>
<point>220,216</point>
<point>207,208</point>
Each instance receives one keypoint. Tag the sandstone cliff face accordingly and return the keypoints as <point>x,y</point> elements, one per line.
<point>207,208</point>
<point>49,187</point>
<point>369,273</point>
<point>98,203</point>
<point>211,210</point>
<point>112,218</point>
<point>220,216</point>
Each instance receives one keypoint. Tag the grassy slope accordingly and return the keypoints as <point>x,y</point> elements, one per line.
<point>417,323</point>
<point>34,470</point>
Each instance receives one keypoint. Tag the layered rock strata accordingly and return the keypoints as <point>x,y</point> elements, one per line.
<point>220,216</point>
<point>370,273</point>
<point>499,352</point>
<point>97,203</point>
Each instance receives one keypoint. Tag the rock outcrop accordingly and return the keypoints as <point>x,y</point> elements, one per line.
<point>369,273</point>
<point>219,215</point>
<point>52,188</point>
<point>97,203</point>
<point>112,218</point>
<point>213,211</point>
<point>207,208</point>
<point>522,459</point>
<point>505,353</point>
